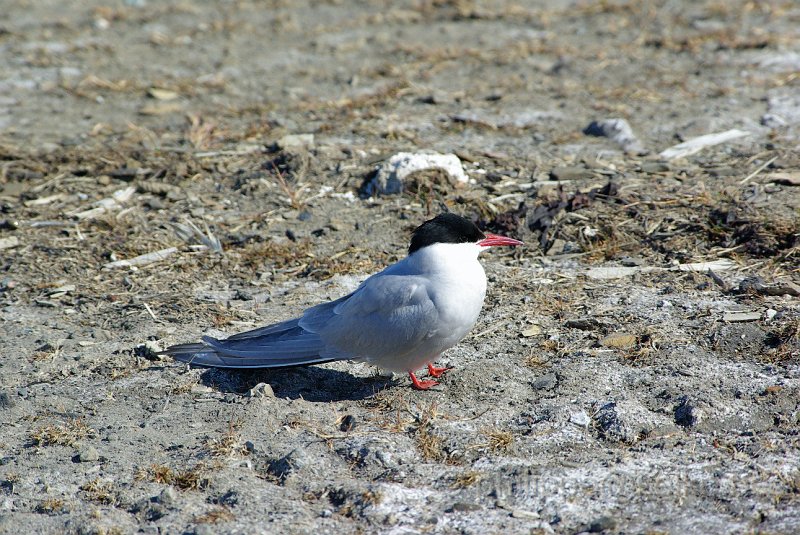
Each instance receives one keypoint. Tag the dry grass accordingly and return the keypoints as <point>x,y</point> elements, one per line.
<point>63,435</point>
<point>215,515</point>
<point>430,444</point>
<point>184,387</point>
<point>228,445</point>
<point>466,479</point>
<point>783,341</point>
<point>51,506</point>
<point>390,410</point>
<point>191,479</point>
<point>497,441</point>
<point>100,491</point>
<point>371,497</point>
<point>280,255</point>
<point>297,259</point>
<point>201,133</point>
<point>646,345</point>
<point>289,189</point>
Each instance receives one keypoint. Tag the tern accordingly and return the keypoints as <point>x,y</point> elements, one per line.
<point>400,319</point>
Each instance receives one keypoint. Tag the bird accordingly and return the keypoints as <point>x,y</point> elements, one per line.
<point>400,319</point>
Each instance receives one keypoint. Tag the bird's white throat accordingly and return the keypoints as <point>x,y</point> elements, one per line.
<point>457,258</point>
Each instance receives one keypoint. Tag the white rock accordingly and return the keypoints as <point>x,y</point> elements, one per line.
<point>581,419</point>
<point>392,173</point>
<point>261,390</point>
<point>296,142</point>
<point>8,243</point>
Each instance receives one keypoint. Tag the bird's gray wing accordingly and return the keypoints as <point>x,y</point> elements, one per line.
<point>273,346</point>
<point>387,315</point>
<point>267,329</point>
<point>291,346</point>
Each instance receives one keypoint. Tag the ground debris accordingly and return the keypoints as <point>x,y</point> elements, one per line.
<point>757,285</point>
<point>618,131</point>
<point>543,217</point>
<point>143,260</point>
<point>694,145</point>
<point>734,316</point>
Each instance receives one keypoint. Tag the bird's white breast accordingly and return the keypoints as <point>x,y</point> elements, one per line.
<point>457,287</point>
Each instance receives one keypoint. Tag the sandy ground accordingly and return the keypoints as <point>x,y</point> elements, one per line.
<point>613,384</point>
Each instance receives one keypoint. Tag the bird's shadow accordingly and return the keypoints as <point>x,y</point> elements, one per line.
<point>311,383</point>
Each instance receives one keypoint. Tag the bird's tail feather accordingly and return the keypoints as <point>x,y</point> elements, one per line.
<point>291,346</point>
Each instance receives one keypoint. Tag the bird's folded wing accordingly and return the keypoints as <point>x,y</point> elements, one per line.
<point>266,330</point>
<point>205,355</point>
<point>284,344</point>
<point>387,315</point>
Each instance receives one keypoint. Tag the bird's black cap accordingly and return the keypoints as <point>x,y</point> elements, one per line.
<point>445,228</point>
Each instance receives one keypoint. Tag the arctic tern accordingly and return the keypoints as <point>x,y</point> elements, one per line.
<point>400,319</point>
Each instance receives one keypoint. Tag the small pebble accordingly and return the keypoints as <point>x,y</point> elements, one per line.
<point>533,330</point>
<point>604,523</point>
<point>546,382</point>
<point>619,341</point>
<point>88,454</point>
<point>461,507</point>
<point>348,423</point>
<point>155,203</point>
<point>168,497</point>
<point>687,414</point>
<point>617,130</point>
<point>569,173</point>
<point>296,142</point>
<point>581,419</point>
<point>5,401</point>
<point>261,390</point>
<point>205,529</point>
<point>655,167</point>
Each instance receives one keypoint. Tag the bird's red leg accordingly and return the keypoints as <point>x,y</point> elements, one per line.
<point>433,371</point>
<point>421,385</point>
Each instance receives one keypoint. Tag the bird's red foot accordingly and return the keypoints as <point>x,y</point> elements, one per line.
<point>433,371</point>
<point>421,385</point>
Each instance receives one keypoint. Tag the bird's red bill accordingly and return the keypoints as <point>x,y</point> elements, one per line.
<point>492,240</point>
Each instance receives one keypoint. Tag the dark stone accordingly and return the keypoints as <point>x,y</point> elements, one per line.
<point>348,423</point>
<point>242,295</point>
<point>229,499</point>
<point>604,523</point>
<point>546,382</point>
<point>461,507</point>
<point>282,468</point>
<point>608,424</point>
<point>569,173</point>
<point>686,413</point>
<point>584,324</point>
